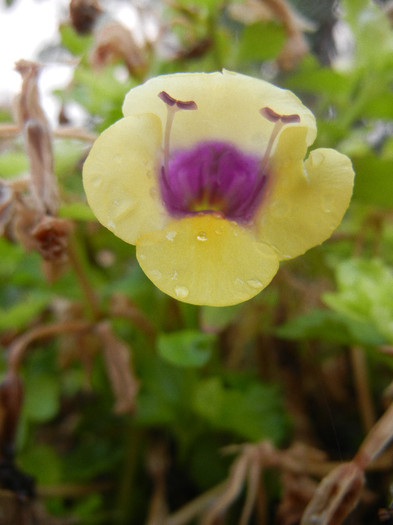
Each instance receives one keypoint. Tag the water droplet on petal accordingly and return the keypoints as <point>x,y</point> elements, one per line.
<point>173,275</point>
<point>155,274</point>
<point>110,225</point>
<point>254,283</point>
<point>239,281</point>
<point>96,182</point>
<point>181,292</point>
<point>328,203</point>
<point>202,236</point>
<point>153,192</point>
<point>171,235</point>
<point>142,257</point>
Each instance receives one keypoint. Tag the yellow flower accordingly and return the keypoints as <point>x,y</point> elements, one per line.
<point>205,175</point>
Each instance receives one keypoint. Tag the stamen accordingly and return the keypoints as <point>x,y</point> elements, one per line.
<point>173,105</point>
<point>279,122</point>
<point>270,114</point>
<point>170,101</point>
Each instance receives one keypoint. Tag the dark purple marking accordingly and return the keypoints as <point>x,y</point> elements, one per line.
<point>270,114</point>
<point>189,104</point>
<point>163,95</point>
<point>290,119</point>
<point>170,101</point>
<point>213,176</point>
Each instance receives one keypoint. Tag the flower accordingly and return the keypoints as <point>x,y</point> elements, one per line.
<point>205,175</point>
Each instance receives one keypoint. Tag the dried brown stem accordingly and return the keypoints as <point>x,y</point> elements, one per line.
<point>19,346</point>
<point>71,132</point>
<point>86,287</point>
<point>362,386</point>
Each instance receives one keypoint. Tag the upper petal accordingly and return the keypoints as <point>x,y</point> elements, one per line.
<point>120,177</point>
<point>228,107</point>
<point>306,201</point>
<point>205,259</point>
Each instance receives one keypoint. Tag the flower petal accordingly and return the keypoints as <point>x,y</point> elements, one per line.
<point>307,201</point>
<point>228,108</point>
<point>205,259</point>
<point>120,177</point>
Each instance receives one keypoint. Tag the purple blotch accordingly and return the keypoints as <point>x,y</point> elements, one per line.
<point>290,119</point>
<point>270,114</point>
<point>213,176</point>
<point>163,95</point>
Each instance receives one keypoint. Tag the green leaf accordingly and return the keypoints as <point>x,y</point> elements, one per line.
<point>41,397</point>
<point>186,348</point>
<point>19,314</point>
<point>260,41</point>
<point>77,44</point>
<point>78,211</point>
<point>42,462</point>
<point>365,296</point>
<point>374,180</point>
<point>13,163</point>
<point>253,412</point>
<point>317,324</point>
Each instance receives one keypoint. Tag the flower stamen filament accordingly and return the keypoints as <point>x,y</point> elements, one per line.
<point>173,105</point>
<point>279,122</point>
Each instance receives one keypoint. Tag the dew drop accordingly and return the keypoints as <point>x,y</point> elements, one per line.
<point>96,182</point>
<point>181,292</point>
<point>328,203</point>
<point>153,193</point>
<point>111,225</point>
<point>254,283</point>
<point>173,275</point>
<point>155,274</point>
<point>170,236</point>
<point>142,257</point>
<point>202,236</point>
<point>239,281</point>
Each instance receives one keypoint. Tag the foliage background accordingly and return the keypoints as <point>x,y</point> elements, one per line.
<point>130,399</point>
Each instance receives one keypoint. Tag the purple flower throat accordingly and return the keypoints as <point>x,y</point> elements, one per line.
<point>215,176</point>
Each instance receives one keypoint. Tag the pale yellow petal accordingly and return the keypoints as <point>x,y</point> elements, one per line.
<point>305,203</point>
<point>205,259</point>
<point>120,177</point>
<point>228,108</point>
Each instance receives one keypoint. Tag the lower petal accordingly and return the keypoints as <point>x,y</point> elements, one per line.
<point>206,259</point>
<point>306,203</point>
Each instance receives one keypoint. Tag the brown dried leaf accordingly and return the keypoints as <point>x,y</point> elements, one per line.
<point>28,102</point>
<point>295,48</point>
<point>336,496</point>
<point>115,42</point>
<point>11,398</point>
<point>6,205</point>
<point>83,14</point>
<point>39,151</point>
<point>38,140</point>
<point>376,440</point>
<point>117,357</point>
<point>297,492</point>
<point>51,237</point>
<point>296,45</point>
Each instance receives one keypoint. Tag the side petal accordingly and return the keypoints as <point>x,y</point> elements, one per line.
<point>306,203</point>
<point>228,108</point>
<point>120,177</point>
<point>205,259</point>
